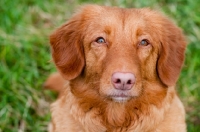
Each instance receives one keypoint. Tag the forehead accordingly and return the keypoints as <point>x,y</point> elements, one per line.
<point>119,20</point>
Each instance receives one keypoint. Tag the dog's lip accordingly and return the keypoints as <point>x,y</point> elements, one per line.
<point>120,98</point>
<point>122,95</point>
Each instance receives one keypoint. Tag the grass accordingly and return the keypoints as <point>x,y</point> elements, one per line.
<point>25,54</point>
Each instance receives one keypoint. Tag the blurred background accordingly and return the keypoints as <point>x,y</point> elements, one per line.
<point>25,26</point>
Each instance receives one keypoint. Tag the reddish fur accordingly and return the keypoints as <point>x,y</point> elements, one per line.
<point>171,54</point>
<point>89,67</point>
<point>66,49</point>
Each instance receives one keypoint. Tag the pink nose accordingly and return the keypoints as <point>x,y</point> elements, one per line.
<point>123,80</point>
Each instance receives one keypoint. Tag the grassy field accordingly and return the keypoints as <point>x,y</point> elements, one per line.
<point>25,57</point>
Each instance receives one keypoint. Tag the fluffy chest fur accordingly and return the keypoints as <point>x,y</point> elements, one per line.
<point>69,115</point>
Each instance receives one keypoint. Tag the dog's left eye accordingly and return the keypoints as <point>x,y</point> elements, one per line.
<point>144,42</point>
<point>100,40</point>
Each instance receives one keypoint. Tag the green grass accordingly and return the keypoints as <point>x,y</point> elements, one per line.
<point>25,57</point>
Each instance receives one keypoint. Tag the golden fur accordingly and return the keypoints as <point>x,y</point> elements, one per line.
<point>87,103</point>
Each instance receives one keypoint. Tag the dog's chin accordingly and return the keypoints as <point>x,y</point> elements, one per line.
<point>120,99</point>
<point>121,96</point>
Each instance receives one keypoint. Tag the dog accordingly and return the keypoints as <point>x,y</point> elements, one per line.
<point>118,69</point>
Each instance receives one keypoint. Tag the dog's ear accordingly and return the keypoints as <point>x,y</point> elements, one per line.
<point>67,48</point>
<point>172,52</point>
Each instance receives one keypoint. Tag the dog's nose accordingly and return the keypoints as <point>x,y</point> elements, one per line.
<point>123,80</point>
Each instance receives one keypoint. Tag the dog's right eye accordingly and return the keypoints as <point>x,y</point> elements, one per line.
<point>144,42</point>
<point>100,40</point>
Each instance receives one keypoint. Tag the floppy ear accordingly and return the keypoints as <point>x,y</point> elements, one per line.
<point>67,48</point>
<point>172,52</point>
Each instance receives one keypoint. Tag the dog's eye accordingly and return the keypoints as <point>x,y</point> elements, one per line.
<point>100,40</point>
<point>144,42</point>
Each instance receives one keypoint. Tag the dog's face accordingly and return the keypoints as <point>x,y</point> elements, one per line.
<point>118,52</point>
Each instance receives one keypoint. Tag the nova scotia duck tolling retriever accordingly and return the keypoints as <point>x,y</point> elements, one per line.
<point>117,71</point>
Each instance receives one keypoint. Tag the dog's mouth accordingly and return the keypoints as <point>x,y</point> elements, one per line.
<point>120,97</point>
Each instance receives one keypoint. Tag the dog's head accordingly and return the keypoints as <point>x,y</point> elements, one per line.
<point>118,52</point>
